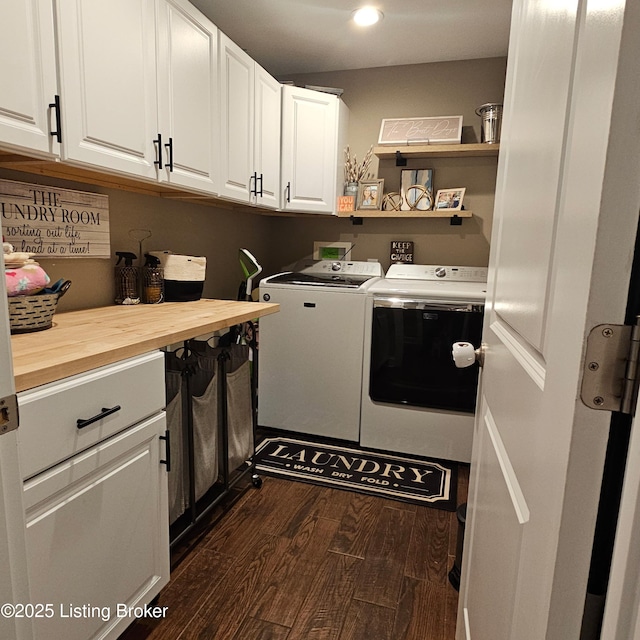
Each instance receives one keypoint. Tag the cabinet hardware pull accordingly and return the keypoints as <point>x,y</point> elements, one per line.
<point>260,192</point>
<point>169,146</point>
<point>167,437</point>
<point>103,414</point>
<point>288,191</point>
<point>158,141</point>
<point>57,134</point>
<point>254,178</point>
<point>309,305</point>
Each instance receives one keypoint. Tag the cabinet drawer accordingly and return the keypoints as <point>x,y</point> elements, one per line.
<point>49,431</point>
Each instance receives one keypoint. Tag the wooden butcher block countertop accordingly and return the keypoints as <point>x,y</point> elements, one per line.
<point>83,340</point>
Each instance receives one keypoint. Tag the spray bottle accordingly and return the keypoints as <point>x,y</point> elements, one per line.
<point>126,279</point>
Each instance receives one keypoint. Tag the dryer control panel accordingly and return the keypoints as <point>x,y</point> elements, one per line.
<point>436,272</point>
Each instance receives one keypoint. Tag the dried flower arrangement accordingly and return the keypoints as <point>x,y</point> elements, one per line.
<point>354,172</point>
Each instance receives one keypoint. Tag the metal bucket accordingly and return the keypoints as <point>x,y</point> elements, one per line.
<point>491,115</point>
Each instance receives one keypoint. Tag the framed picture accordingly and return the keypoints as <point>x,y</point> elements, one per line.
<point>330,250</point>
<point>370,194</point>
<point>416,189</point>
<point>432,130</point>
<point>449,199</point>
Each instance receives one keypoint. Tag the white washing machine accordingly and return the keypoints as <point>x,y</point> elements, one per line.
<point>414,399</point>
<point>311,351</point>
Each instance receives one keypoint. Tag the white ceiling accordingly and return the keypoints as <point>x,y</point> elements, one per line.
<point>303,36</point>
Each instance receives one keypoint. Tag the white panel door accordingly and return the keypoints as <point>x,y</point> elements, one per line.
<point>28,76</point>
<point>266,147</point>
<point>108,84</point>
<point>236,121</point>
<point>566,214</point>
<point>187,95</point>
<point>14,584</point>
<point>309,150</point>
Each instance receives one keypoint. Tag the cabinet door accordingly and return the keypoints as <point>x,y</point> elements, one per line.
<point>98,534</point>
<point>27,76</point>
<point>187,95</point>
<point>236,121</point>
<point>108,84</point>
<point>309,150</point>
<point>266,155</point>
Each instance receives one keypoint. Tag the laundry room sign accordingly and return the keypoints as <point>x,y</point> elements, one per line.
<point>401,251</point>
<point>50,222</point>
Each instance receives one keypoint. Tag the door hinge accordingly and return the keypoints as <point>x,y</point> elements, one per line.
<point>8,414</point>
<point>610,376</point>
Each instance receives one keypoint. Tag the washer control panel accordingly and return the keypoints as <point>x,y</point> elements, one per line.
<point>352,268</point>
<point>437,272</point>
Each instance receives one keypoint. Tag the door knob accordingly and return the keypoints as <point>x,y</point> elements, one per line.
<point>464,354</point>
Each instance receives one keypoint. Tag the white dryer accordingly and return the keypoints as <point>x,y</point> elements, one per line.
<point>311,351</point>
<point>414,399</point>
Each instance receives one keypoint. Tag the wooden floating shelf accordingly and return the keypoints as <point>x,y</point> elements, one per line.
<point>405,214</point>
<point>437,151</point>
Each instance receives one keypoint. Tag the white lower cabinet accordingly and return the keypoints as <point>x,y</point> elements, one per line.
<point>97,527</point>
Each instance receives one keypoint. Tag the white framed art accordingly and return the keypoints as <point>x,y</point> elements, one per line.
<point>431,130</point>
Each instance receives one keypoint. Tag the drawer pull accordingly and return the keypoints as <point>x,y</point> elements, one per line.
<point>103,414</point>
<point>167,438</point>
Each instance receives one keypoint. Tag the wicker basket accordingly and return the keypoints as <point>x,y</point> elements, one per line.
<point>34,313</point>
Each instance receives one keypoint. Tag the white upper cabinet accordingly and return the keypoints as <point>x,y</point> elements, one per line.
<point>108,84</point>
<point>28,77</point>
<point>313,124</point>
<point>250,102</point>
<point>187,48</point>
<point>236,120</point>
<point>266,148</point>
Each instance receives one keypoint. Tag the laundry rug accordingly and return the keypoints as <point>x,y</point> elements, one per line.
<point>430,483</point>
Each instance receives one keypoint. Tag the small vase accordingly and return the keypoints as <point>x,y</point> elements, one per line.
<point>351,189</point>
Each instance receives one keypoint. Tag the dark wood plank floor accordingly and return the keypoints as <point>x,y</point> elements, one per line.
<point>295,561</point>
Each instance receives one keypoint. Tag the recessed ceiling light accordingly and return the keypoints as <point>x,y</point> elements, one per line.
<point>366,16</point>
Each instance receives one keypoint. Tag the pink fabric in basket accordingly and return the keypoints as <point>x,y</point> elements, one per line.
<point>26,280</point>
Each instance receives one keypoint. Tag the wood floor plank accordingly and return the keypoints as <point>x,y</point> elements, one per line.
<point>183,596</point>
<point>367,621</point>
<point>421,611</point>
<point>332,503</point>
<point>324,611</point>
<point>428,554</point>
<point>262,512</point>
<point>450,613</point>
<point>286,589</point>
<point>356,525</point>
<point>253,629</point>
<point>381,575</point>
<point>224,611</point>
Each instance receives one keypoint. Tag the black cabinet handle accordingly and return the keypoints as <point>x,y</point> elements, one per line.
<point>309,305</point>
<point>167,438</point>
<point>259,193</point>
<point>158,141</point>
<point>169,147</point>
<point>288,192</point>
<point>254,179</point>
<point>57,134</point>
<point>82,423</point>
